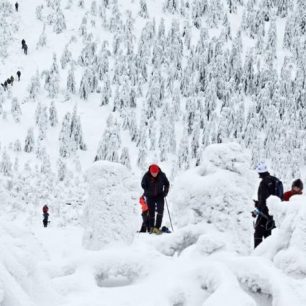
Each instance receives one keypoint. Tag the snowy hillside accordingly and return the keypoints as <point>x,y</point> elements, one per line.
<point>203,88</point>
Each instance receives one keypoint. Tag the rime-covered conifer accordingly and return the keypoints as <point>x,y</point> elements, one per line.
<point>29,141</point>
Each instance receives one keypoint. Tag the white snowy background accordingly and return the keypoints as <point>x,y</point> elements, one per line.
<point>204,88</point>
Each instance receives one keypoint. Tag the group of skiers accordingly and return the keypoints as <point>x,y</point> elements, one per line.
<point>10,80</point>
<point>156,187</point>
<point>268,186</point>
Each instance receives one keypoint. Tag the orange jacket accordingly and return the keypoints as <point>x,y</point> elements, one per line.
<point>143,203</point>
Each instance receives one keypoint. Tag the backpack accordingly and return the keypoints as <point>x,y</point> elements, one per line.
<point>276,187</point>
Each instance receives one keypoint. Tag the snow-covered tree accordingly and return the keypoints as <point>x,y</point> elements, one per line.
<point>59,21</point>
<point>34,87</point>
<point>125,157</point>
<point>64,137</point>
<point>6,164</point>
<point>66,57</point>
<point>143,12</point>
<point>110,143</point>
<point>53,115</point>
<point>42,40</point>
<point>29,141</point>
<point>16,109</point>
<point>71,87</point>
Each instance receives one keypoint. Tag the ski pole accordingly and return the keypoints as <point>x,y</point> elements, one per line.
<point>169,215</point>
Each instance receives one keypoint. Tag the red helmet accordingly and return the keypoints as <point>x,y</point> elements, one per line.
<point>154,169</point>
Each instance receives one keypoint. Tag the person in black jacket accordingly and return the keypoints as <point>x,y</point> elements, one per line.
<point>264,222</point>
<point>156,188</point>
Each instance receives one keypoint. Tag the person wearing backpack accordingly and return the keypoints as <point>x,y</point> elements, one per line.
<point>269,185</point>
<point>156,187</point>
<point>296,188</point>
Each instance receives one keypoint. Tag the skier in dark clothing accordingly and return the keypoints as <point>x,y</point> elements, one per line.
<point>25,49</point>
<point>46,215</point>
<point>8,81</point>
<point>156,188</point>
<point>18,75</point>
<point>264,222</point>
<point>24,46</point>
<point>12,80</point>
<point>16,6</point>
<point>5,85</point>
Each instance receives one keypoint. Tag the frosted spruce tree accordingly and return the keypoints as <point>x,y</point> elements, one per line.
<point>125,158</point>
<point>6,166</point>
<point>64,137</point>
<point>29,141</point>
<point>42,40</point>
<point>110,143</point>
<point>34,87</point>
<point>16,110</point>
<point>53,115</point>
<point>52,79</point>
<point>71,86</point>
<point>66,57</point>
<point>59,21</point>
<point>143,12</point>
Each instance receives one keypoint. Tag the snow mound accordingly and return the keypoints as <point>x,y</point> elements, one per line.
<point>22,282</point>
<point>218,192</point>
<point>110,213</point>
<point>287,245</point>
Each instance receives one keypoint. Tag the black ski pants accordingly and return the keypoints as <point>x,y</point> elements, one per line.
<point>263,229</point>
<point>156,205</point>
<point>45,220</point>
<point>145,227</point>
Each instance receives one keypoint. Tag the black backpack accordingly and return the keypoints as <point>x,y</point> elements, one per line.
<point>275,187</point>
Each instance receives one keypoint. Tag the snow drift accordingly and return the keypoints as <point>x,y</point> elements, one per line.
<point>218,192</point>
<point>110,213</point>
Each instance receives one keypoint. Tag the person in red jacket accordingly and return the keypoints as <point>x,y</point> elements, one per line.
<point>297,188</point>
<point>145,227</point>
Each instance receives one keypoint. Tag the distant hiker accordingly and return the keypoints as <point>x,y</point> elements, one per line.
<point>269,185</point>
<point>12,80</point>
<point>24,47</point>
<point>156,188</point>
<point>18,75</point>
<point>296,188</point>
<point>16,6</point>
<point>5,85</point>
<point>46,215</point>
<point>145,227</point>
<point>8,81</point>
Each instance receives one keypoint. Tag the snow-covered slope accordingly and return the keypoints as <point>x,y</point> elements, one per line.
<point>204,88</point>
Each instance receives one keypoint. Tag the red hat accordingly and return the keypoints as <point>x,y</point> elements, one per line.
<point>154,169</point>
